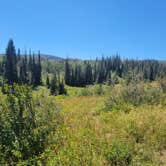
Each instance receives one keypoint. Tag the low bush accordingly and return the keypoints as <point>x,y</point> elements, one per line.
<point>126,97</point>
<point>94,90</point>
<point>162,84</point>
<point>120,153</point>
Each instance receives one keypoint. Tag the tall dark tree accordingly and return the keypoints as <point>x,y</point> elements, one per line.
<point>47,81</point>
<point>62,89</point>
<point>10,70</point>
<point>30,62</point>
<point>95,71</point>
<point>33,71</point>
<point>54,86</point>
<point>38,72</point>
<point>23,76</point>
<point>18,55</point>
<point>88,74</point>
<point>67,73</point>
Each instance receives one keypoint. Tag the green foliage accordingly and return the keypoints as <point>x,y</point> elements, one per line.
<point>20,69</point>
<point>62,89</point>
<point>93,90</point>
<point>48,82</point>
<point>85,92</point>
<point>130,131</point>
<point>82,73</point>
<point>54,85</point>
<point>120,154</point>
<point>163,85</point>
<point>24,127</point>
<point>100,90</point>
<point>126,97</point>
<point>10,72</point>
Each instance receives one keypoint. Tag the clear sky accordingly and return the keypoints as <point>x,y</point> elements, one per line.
<point>86,28</point>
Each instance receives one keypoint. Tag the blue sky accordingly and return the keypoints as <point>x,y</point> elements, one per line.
<point>86,28</point>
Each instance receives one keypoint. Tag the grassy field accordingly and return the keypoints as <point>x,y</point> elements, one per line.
<point>91,135</point>
<point>97,125</point>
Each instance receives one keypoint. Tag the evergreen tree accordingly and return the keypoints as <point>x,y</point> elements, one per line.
<point>62,89</point>
<point>53,85</point>
<point>18,55</point>
<point>95,71</point>
<point>30,62</point>
<point>38,70</point>
<point>33,71</point>
<point>23,79</point>
<point>47,81</point>
<point>73,81</point>
<point>11,64</point>
<point>88,74</point>
<point>109,79</point>
<point>67,73</point>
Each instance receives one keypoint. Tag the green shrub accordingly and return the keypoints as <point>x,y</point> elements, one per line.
<point>163,85</point>
<point>99,90</point>
<point>93,90</point>
<point>85,92</point>
<point>134,131</point>
<point>120,154</point>
<point>126,97</point>
<point>25,125</point>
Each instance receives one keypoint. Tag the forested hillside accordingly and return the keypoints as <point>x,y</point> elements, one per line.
<point>56,111</point>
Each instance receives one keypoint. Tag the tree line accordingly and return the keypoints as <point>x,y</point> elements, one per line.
<point>20,69</point>
<point>110,69</point>
<point>16,68</point>
<point>27,69</point>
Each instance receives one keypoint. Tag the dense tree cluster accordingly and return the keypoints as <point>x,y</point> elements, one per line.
<point>108,70</point>
<point>21,69</point>
<point>27,69</point>
<point>56,86</point>
<point>78,75</point>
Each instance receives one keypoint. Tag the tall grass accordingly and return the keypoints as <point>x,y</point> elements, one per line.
<point>93,136</point>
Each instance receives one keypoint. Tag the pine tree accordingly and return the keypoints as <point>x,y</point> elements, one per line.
<point>67,73</point>
<point>62,89</point>
<point>30,62</point>
<point>53,85</point>
<point>33,71</point>
<point>95,71</point>
<point>88,74</point>
<point>47,81</point>
<point>73,81</point>
<point>109,79</point>
<point>18,55</point>
<point>37,71</point>
<point>23,79</point>
<point>11,64</point>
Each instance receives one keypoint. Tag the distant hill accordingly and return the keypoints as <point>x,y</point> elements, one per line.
<point>52,57</point>
<point>46,57</point>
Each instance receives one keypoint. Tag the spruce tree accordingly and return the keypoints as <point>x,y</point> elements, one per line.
<point>53,85</point>
<point>88,74</point>
<point>38,74</point>
<point>10,70</point>
<point>18,55</point>
<point>47,81</point>
<point>67,73</point>
<point>62,89</point>
<point>30,62</point>
<point>33,71</point>
<point>23,79</point>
